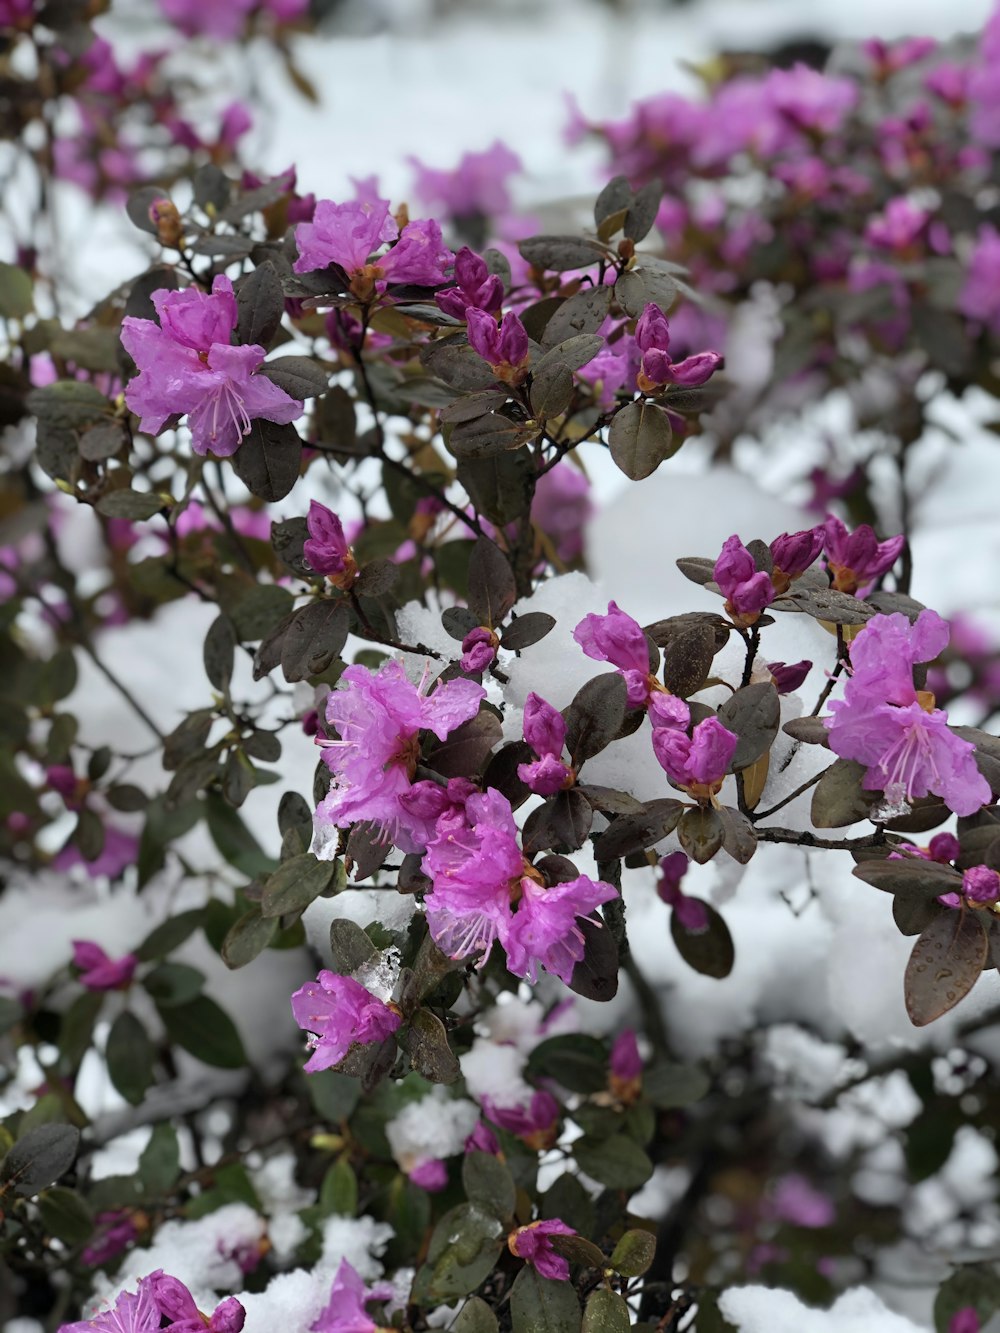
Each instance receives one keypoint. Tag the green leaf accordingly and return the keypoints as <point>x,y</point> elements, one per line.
<point>339,1192</point>
<point>634,833</point>
<point>542,1305</point>
<point>173,983</point>
<point>463,1251</point>
<point>299,376</point>
<point>169,935</point>
<point>754,715</point>
<point>314,637</point>
<point>247,937</point>
<point>260,304</point>
<point>606,1312</point>
<point>669,1085</point>
<point>578,1062</point>
<point>972,1285</point>
<point>219,652</point>
<point>130,504</point>
<point>709,951</point>
<point>475,1317</point>
<point>65,1215</point>
<point>205,1031</point>
<point>16,294</point>
<point>488,1184</point>
<point>426,1042</point>
<point>40,1157</point>
<point>234,840</point>
<point>296,883</point>
<point>160,1162</point>
<point>268,460</point>
<point>701,833</point>
<point>617,1162</point>
<point>595,716</point>
<point>945,964</point>
<point>838,798</point>
<point>350,946</point>
<point>489,435</point>
<point>560,253</point>
<point>634,1253</point>
<point>130,1056</point>
<point>641,438</point>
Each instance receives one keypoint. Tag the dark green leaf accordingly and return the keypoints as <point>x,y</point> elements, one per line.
<point>634,833</point>
<point>634,1253</point>
<point>129,504</point>
<point>559,253</point>
<point>584,312</point>
<point>526,630</point>
<point>234,840</point>
<point>130,1057</point>
<point>205,1031</point>
<point>247,938</point>
<point>701,833</point>
<point>606,1312</point>
<point>220,652</point>
<point>910,877</point>
<point>617,1162</point>
<point>315,636</point>
<point>268,460</point>
<point>350,946</point>
<point>614,198</point>
<point>642,211</point>
<point>296,883</point>
<point>260,304</point>
<point>709,951</point>
<point>488,436</point>
<point>463,1251</point>
<point>595,977</point>
<point>640,287</point>
<point>16,295</point>
<point>169,935</point>
<point>173,983</point>
<point>595,717</point>
<point>753,713</point>
<point>543,1305</point>
<point>641,438</point>
<point>551,391</point>
<point>838,798</point>
<point>40,1157</point>
<point>945,964</point>
<point>475,1316</point>
<point>453,360</point>
<point>669,1085</point>
<point>488,1184</point>
<point>578,1062</point>
<point>65,1215</point>
<point>160,1162</point>
<point>572,352</point>
<point>299,376</point>
<point>426,1043</point>
<point>492,589</point>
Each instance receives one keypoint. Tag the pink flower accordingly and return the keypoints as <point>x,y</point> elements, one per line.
<point>793,553</point>
<point>884,723</point>
<point>476,287</point>
<point>626,1062</point>
<point>479,649</point>
<point>379,718</point>
<point>965,1320</point>
<point>618,639</point>
<point>188,367</point>
<point>475,862</point>
<point>98,971</point>
<point>795,1200</point>
<point>339,1012</point>
<point>533,1244</point>
<point>349,234</point>
<point>503,347</point>
<point>345,1311</point>
<point>562,507</point>
<point>746,589</point>
<point>477,187</point>
<point>856,559</point>
<point>120,851</point>
<point>133,1312</point>
<point>979,298</point>
<point>113,1232</point>
<point>652,336</point>
<point>691,912</point>
<point>897,228</point>
<point>980,886</point>
<point>544,932</point>
<point>698,762</point>
<point>221,19</point>
<point>545,732</point>
<point>536,1124</point>
<point>787,677</point>
<point>176,1304</point>
<point>326,548</point>
<point>482,1139</point>
<point>431,1175</point>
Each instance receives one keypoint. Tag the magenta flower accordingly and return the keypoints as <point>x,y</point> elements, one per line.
<point>533,1244</point>
<point>482,1139</point>
<point>980,886</point>
<point>979,298</point>
<point>113,1233</point>
<point>787,677</point>
<point>220,19</point>
<point>479,649</point>
<point>562,507</point>
<point>690,912</point>
<point>326,548</point>
<point>965,1320</point>
<point>339,1012</point>
<point>652,336</point>
<point>503,347</point>
<point>545,732</point>
<point>544,932</point>
<point>477,187</point>
<point>793,553</point>
<point>536,1124</point>
<point>618,639</point>
<point>899,227</point>
<point>746,589</point>
<point>475,864</point>
<point>796,1200</point>
<point>345,1311</point>
<point>884,723</point>
<point>176,1304</point>
<point>188,367</point>
<point>427,801</point>
<point>856,559</point>
<point>431,1175</point>
<point>475,286</point>
<point>120,851</point>
<point>132,1312</point>
<point>98,971</point>
<point>698,762</point>
<point>626,1062</point>
<point>349,234</point>
<point>379,718</point>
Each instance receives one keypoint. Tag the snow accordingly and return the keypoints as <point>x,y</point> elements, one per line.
<point>765,1310</point>
<point>431,1129</point>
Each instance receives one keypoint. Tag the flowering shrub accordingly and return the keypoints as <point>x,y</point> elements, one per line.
<point>383,1051</point>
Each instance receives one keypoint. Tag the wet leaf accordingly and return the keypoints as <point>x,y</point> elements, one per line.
<point>641,438</point>
<point>945,964</point>
<point>313,638</point>
<point>709,951</point>
<point>595,717</point>
<point>753,713</point>
<point>268,460</point>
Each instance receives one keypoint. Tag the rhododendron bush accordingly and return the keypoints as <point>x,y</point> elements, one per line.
<point>405,922</point>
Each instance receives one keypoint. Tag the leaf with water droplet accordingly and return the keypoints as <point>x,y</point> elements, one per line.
<point>944,965</point>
